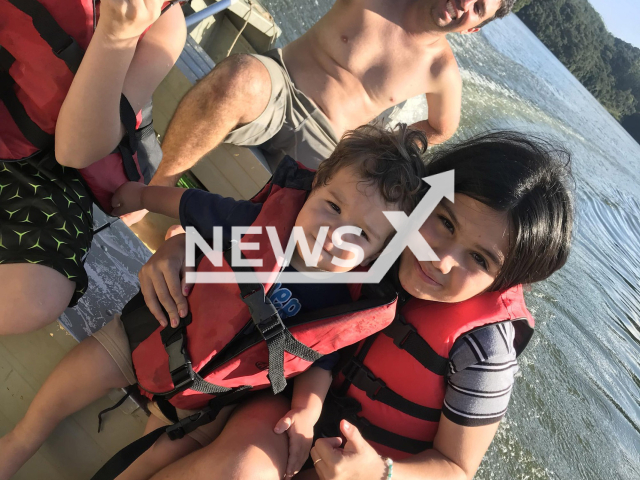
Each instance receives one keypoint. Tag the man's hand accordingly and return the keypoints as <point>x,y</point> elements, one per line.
<point>128,19</point>
<point>162,281</point>
<point>357,461</point>
<point>299,427</point>
<point>127,198</point>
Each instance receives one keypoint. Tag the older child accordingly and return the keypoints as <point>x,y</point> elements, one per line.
<point>352,188</point>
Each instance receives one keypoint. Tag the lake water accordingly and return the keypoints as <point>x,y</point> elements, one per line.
<point>575,411</point>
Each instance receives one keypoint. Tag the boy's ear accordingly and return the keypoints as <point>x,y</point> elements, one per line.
<point>471,30</point>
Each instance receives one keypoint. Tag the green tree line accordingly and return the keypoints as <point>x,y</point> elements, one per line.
<point>607,66</point>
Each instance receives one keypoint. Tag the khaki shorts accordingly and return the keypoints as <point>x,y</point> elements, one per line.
<point>114,339</point>
<point>292,124</point>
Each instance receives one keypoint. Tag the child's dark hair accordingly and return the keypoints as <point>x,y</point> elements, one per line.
<point>529,178</point>
<point>391,160</point>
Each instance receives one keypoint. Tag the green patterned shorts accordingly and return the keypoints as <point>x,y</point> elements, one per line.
<point>45,217</point>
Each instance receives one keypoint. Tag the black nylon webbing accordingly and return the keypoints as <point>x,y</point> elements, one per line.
<point>201,385</point>
<point>125,457</point>
<point>62,44</point>
<point>407,338</point>
<point>376,389</point>
<point>389,439</point>
<point>276,334</point>
<point>31,131</point>
<point>182,374</point>
<point>129,144</point>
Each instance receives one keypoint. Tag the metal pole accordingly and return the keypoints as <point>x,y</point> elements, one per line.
<point>208,11</point>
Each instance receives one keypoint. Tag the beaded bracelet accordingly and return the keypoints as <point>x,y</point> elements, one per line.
<point>389,464</point>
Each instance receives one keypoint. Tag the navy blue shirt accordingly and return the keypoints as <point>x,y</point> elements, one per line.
<point>204,210</point>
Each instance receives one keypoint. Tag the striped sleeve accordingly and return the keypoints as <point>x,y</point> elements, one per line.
<point>481,374</point>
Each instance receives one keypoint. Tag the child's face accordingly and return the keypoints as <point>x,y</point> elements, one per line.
<point>470,239</point>
<point>345,201</point>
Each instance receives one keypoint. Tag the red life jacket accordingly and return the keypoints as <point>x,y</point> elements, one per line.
<point>41,46</point>
<point>221,345</point>
<point>393,388</point>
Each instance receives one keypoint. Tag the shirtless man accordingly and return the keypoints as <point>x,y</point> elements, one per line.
<point>361,58</point>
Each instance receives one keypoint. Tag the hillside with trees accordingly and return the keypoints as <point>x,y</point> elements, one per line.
<point>607,66</point>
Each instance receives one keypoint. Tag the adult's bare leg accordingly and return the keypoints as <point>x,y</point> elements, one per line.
<point>85,374</point>
<point>31,297</point>
<point>165,451</point>
<point>247,448</point>
<point>162,453</point>
<point>233,94</point>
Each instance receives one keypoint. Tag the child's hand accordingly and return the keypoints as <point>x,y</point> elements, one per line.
<point>300,429</point>
<point>127,19</point>
<point>127,198</point>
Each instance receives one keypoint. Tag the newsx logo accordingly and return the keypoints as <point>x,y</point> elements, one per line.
<point>407,235</point>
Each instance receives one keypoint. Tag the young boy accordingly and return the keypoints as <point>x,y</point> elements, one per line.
<point>371,171</point>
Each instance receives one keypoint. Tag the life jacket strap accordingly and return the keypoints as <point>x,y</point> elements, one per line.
<point>406,337</point>
<point>29,129</point>
<point>338,407</point>
<point>128,146</point>
<point>182,374</point>
<point>389,439</point>
<point>278,337</point>
<point>125,457</point>
<point>61,43</point>
<point>376,389</point>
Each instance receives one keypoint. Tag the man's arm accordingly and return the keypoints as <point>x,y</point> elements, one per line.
<point>89,127</point>
<point>444,102</point>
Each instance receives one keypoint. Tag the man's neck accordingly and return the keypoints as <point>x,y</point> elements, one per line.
<point>413,22</point>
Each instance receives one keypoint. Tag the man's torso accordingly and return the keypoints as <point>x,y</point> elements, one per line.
<point>359,60</point>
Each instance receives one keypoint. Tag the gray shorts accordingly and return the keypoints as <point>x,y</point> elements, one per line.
<point>292,124</point>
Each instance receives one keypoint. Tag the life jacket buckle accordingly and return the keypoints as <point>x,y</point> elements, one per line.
<point>362,378</point>
<point>179,430</point>
<point>401,331</point>
<point>264,314</point>
<point>182,373</point>
<point>271,328</point>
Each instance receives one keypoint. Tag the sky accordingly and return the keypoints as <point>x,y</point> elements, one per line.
<point>622,18</point>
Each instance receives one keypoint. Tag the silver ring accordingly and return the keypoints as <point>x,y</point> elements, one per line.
<point>316,461</point>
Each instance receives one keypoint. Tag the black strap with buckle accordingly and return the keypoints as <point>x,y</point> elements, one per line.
<point>61,43</point>
<point>336,408</point>
<point>278,337</point>
<point>182,374</point>
<point>406,337</point>
<point>125,457</point>
<point>376,389</point>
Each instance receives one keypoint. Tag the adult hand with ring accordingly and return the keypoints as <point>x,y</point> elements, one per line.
<point>356,461</point>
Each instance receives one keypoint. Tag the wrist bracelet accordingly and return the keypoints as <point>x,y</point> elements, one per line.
<point>389,471</point>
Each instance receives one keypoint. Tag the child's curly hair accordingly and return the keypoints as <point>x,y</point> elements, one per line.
<point>391,160</point>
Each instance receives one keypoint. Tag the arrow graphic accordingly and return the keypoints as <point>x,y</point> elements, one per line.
<point>407,235</point>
